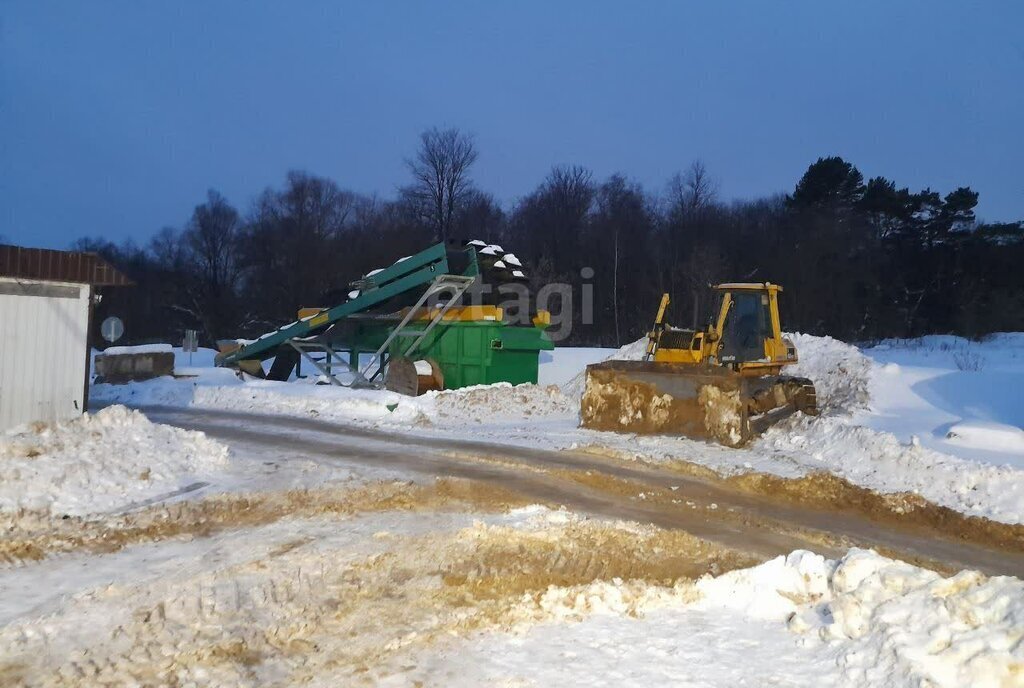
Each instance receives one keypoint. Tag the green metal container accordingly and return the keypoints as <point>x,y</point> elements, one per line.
<point>478,352</point>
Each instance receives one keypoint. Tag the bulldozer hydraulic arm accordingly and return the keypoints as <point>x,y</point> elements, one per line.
<point>659,325</point>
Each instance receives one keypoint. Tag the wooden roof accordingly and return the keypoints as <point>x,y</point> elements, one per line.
<point>58,266</point>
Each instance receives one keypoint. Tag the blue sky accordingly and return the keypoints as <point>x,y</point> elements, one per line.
<point>115,117</point>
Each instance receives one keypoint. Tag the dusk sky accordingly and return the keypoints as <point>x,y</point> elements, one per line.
<point>116,117</point>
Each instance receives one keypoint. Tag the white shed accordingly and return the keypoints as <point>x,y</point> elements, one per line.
<point>46,300</point>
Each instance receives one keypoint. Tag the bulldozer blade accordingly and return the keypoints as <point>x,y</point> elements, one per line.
<point>709,403</point>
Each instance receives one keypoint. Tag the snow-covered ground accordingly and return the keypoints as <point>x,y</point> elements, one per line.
<point>958,397</point>
<point>291,570</point>
<point>430,599</point>
<point>882,428</point>
<point>938,416</point>
<point>864,620</point>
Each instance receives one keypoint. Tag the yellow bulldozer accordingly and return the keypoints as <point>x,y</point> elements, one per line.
<point>723,383</point>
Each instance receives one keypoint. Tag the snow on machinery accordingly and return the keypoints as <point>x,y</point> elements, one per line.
<point>723,383</point>
<point>414,341</point>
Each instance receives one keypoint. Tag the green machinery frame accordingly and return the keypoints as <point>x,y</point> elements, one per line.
<point>428,267</point>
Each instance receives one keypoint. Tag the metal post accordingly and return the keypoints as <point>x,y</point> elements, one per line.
<point>438,284</point>
<point>459,291</point>
<point>383,364</point>
<point>316,363</point>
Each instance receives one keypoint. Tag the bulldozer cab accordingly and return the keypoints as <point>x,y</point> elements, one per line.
<point>748,328</point>
<point>744,335</point>
<point>747,324</point>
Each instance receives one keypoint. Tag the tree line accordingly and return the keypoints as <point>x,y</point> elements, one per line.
<point>859,260</point>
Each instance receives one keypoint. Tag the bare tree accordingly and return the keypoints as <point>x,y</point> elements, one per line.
<point>212,240</point>
<point>166,248</point>
<point>693,191</point>
<point>619,231</point>
<point>689,205</point>
<point>211,254</point>
<point>554,216</point>
<point>314,208</point>
<point>480,217</point>
<point>440,172</point>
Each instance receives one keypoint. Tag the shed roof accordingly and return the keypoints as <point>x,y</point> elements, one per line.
<point>59,266</point>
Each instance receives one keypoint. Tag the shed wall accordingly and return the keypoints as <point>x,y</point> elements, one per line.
<point>44,338</point>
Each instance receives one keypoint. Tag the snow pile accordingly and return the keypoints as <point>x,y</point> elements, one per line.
<point>840,372</point>
<point>361,406</point>
<point>488,403</point>
<point>865,619</point>
<point>903,418</point>
<point>220,388</point>
<point>888,621</point>
<point>899,619</point>
<point>100,462</point>
<point>879,461</point>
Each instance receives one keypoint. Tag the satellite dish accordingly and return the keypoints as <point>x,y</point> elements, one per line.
<point>112,329</point>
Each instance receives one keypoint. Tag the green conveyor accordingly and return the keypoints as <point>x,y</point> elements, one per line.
<point>415,271</point>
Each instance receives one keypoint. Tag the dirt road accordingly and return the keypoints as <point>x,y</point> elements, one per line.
<point>763,517</point>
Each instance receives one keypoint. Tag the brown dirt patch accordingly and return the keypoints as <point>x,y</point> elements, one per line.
<point>300,615</point>
<point>495,577</point>
<point>29,536</point>
<point>827,492</point>
<point>520,562</point>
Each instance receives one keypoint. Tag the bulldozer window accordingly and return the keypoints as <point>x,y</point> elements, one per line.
<point>747,325</point>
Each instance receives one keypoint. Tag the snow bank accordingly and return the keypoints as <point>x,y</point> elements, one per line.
<point>840,372</point>
<point>363,406</point>
<point>876,412</point>
<point>889,622</point>
<point>864,619</point>
<point>451,408</point>
<point>497,403</point>
<point>489,403</point>
<point>879,461</point>
<point>100,462</point>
